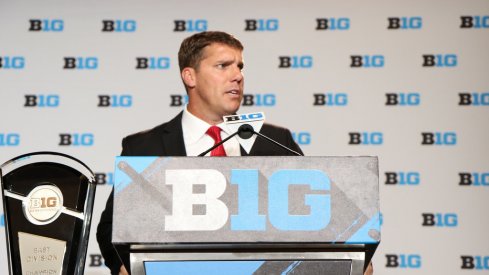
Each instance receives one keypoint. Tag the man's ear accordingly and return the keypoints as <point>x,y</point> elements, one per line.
<point>188,77</point>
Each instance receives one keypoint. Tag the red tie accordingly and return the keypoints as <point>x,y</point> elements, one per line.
<point>215,133</point>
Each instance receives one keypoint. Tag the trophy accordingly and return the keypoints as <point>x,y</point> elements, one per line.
<point>48,200</point>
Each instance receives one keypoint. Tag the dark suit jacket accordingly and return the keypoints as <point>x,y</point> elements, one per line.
<point>167,140</point>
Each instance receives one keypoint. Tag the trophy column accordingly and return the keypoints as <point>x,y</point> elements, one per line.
<point>48,201</point>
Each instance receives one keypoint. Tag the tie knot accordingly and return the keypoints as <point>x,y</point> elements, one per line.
<point>215,133</point>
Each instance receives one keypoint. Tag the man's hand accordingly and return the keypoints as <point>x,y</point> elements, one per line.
<point>123,271</point>
<point>369,270</point>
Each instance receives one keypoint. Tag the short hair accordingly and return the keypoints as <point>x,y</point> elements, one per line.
<point>192,48</point>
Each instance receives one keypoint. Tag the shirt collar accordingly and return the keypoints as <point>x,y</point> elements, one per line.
<point>195,128</point>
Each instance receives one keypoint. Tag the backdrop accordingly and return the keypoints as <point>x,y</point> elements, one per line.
<point>403,80</point>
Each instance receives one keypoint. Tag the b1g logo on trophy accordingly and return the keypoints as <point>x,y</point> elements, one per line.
<point>55,193</point>
<point>43,204</point>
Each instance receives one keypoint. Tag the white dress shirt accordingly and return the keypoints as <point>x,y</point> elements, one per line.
<point>197,141</point>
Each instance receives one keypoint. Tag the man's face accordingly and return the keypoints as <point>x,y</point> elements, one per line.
<point>217,83</point>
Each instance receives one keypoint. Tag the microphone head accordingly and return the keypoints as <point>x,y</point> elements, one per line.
<point>245,131</point>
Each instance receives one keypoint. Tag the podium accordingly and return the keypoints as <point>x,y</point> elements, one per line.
<point>247,215</point>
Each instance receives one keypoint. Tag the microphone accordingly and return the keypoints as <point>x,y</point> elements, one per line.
<point>244,126</point>
<point>246,131</point>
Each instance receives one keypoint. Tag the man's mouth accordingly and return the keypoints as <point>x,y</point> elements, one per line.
<point>233,92</point>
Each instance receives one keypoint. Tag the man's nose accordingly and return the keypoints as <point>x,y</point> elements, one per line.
<point>237,74</point>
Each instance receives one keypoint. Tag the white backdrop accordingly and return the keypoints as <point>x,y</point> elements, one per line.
<point>431,54</point>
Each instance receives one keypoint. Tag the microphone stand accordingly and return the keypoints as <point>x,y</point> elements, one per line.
<point>217,144</point>
<point>246,131</point>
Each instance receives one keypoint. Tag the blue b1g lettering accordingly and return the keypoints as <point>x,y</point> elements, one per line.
<point>439,138</point>
<point>123,101</point>
<point>403,99</point>
<point>12,62</point>
<point>367,61</point>
<point>9,139</point>
<point>331,99</point>
<point>440,219</point>
<point>402,178</point>
<point>190,25</point>
<point>247,217</point>
<point>302,138</point>
<point>295,62</point>
<point>473,99</point>
<point>403,261</point>
<point>46,25</point>
<point>76,139</point>
<point>42,100</point>
<point>474,179</point>
<point>261,100</point>
<point>333,24</point>
<point>153,63</point>
<point>119,25</point>
<point>262,25</point>
<point>404,23</point>
<point>366,138</point>
<point>440,60</point>
<point>80,63</point>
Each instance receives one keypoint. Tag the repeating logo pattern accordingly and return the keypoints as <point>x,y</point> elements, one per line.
<point>407,83</point>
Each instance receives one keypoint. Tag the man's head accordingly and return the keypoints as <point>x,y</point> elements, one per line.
<point>210,67</point>
<point>192,48</point>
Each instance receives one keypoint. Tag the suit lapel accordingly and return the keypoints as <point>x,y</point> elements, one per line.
<point>172,137</point>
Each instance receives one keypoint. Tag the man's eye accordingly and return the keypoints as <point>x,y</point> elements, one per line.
<point>220,66</point>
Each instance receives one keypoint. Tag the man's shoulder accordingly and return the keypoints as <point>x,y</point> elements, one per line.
<point>273,129</point>
<point>151,142</point>
<point>155,132</point>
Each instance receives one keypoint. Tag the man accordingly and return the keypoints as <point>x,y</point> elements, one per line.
<point>211,66</point>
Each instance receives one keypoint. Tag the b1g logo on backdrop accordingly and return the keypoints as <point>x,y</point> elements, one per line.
<point>80,63</point>
<point>367,61</point>
<point>122,101</point>
<point>302,138</point>
<point>12,62</point>
<point>403,99</point>
<point>331,99</point>
<point>153,63</point>
<point>366,138</point>
<point>333,24</point>
<point>260,100</point>
<point>474,179</point>
<point>473,99</point>
<point>104,178</point>
<point>402,178</point>
<point>475,262</point>
<point>440,219</point>
<point>439,138</point>
<point>190,25</point>
<point>295,62</point>
<point>178,100</point>
<point>404,23</point>
<point>403,261</point>
<point>46,25</point>
<point>119,25</point>
<point>440,60</point>
<point>474,22</point>
<point>9,139</point>
<point>261,25</point>
<point>76,139</point>
<point>41,100</point>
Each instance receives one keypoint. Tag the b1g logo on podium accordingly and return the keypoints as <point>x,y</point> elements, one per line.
<point>43,204</point>
<point>248,218</point>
